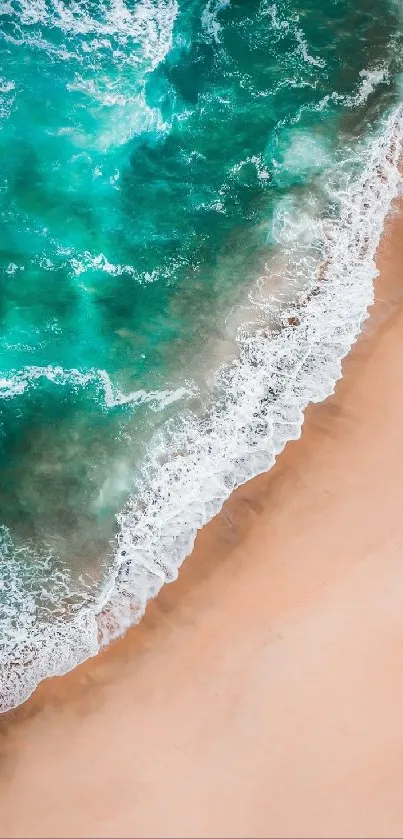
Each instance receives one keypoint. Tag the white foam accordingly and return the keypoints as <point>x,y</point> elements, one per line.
<point>117,48</point>
<point>193,465</point>
<point>6,85</point>
<point>258,162</point>
<point>370,79</point>
<point>17,382</point>
<point>209,18</point>
<point>304,52</point>
<point>99,262</point>
<point>283,26</point>
<point>7,97</point>
<point>84,261</point>
<point>149,24</point>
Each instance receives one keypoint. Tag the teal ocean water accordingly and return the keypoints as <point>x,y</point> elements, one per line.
<point>191,196</point>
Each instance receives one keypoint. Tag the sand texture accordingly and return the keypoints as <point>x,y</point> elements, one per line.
<point>262,695</point>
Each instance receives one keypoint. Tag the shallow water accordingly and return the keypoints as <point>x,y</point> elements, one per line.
<point>175,177</point>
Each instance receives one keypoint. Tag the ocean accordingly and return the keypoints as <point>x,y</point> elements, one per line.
<point>191,193</point>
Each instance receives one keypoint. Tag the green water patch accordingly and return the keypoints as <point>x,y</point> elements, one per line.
<point>147,147</point>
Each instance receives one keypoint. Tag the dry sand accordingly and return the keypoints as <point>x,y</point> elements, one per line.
<point>262,695</point>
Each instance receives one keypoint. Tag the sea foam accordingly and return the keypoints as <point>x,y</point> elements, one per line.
<point>18,381</point>
<point>194,464</point>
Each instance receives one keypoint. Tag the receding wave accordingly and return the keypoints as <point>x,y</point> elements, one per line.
<point>195,462</point>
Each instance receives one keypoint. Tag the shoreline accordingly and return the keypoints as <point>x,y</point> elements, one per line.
<point>242,437</point>
<point>211,716</point>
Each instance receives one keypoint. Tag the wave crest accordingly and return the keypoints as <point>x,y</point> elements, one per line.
<point>194,465</point>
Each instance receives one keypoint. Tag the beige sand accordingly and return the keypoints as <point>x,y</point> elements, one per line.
<point>262,695</point>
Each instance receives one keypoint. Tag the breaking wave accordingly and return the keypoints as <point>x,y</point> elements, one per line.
<point>283,363</point>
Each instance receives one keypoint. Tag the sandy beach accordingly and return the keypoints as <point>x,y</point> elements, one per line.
<point>262,694</point>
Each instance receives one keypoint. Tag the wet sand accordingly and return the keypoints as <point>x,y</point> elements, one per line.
<point>262,694</point>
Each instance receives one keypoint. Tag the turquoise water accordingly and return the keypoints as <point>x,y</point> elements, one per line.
<point>171,176</point>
